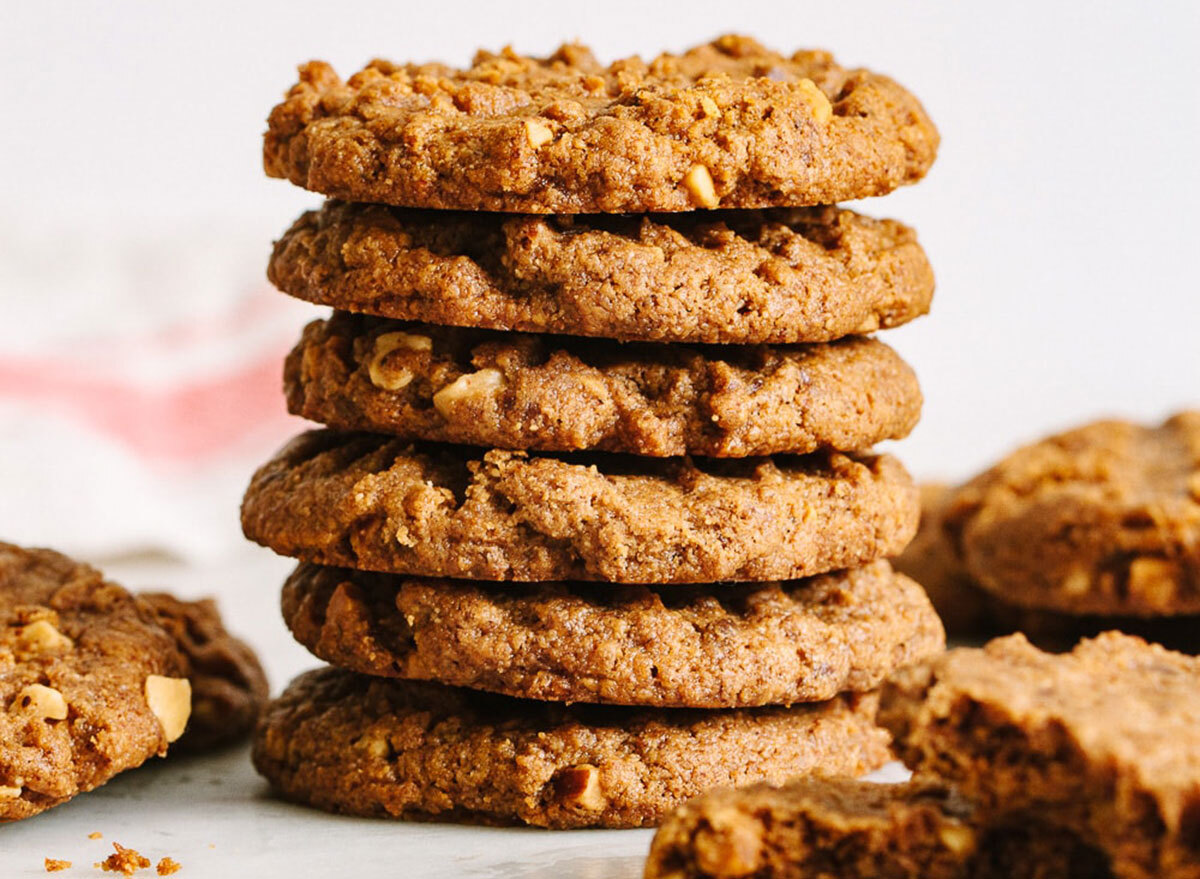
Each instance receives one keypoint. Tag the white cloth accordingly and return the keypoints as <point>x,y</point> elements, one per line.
<point>140,385</point>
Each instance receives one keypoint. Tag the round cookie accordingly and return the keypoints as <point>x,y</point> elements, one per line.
<point>970,613</point>
<point>368,502</point>
<point>731,277</point>
<point>229,686</point>
<point>90,683</point>
<point>725,124</point>
<point>725,646</point>
<point>401,749</point>
<point>1103,519</point>
<point>552,393</point>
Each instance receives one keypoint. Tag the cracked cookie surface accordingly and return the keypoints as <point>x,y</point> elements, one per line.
<point>725,124</point>
<point>353,744</point>
<point>554,393</point>
<point>372,503</point>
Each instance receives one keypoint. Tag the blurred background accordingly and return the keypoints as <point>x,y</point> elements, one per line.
<point>140,347</point>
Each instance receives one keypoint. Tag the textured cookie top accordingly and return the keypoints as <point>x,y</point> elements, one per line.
<point>1102,519</point>
<point>372,503</point>
<point>350,743</point>
<point>778,277</point>
<point>684,646</point>
<point>554,393</point>
<point>726,124</point>
<point>1104,740</point>
<point>90,684</point>
<point>819,827</point>
<point>229,686</point>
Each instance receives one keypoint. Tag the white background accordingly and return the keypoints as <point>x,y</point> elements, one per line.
<point>1060,218</point>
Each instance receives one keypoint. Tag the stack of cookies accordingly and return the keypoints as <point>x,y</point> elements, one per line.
<point>592,527</point>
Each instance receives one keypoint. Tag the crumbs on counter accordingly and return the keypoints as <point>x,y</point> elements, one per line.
<point>125,861</point>
<point>53,865</point>
<point>95,834</point>
<point>167,866</point>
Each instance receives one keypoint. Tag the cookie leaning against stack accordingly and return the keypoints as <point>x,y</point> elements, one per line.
<point>581,456</point>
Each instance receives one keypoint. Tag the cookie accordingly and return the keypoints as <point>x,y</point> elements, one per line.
<point>727,124</point>
<point>90,683</point>
<point>857,830</point>
<point>732,277</point>
<point>229,687</point>
<point>1103,741</point>
<point>368,502</point>
<point>970,613</point>
<point>966,610</point>
<point>401,749</point>
<point>732,645</point>
<point>1104,519</point>
<point>553,393</point>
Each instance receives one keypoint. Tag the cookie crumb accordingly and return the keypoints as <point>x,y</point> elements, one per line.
<point>125,861</point>
<point>95,834</point>
<point>167,866</point>
<point>54,865</point>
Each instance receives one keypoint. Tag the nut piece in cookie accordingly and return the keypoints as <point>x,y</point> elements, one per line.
<point>1103,741</point>
<point>353,744</point>
<point>227,683</point>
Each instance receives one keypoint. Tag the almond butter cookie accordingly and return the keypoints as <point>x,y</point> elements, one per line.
<point>731,277</point>
<point>1101,741</point>
<point>725,124</point>
<point>971,613</point>
<point>1103,519</point>
<point>369,502</point>
<point>555,393</point>
<point>400,749</point>
<point>724,646</point>
<point>90,683</point>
